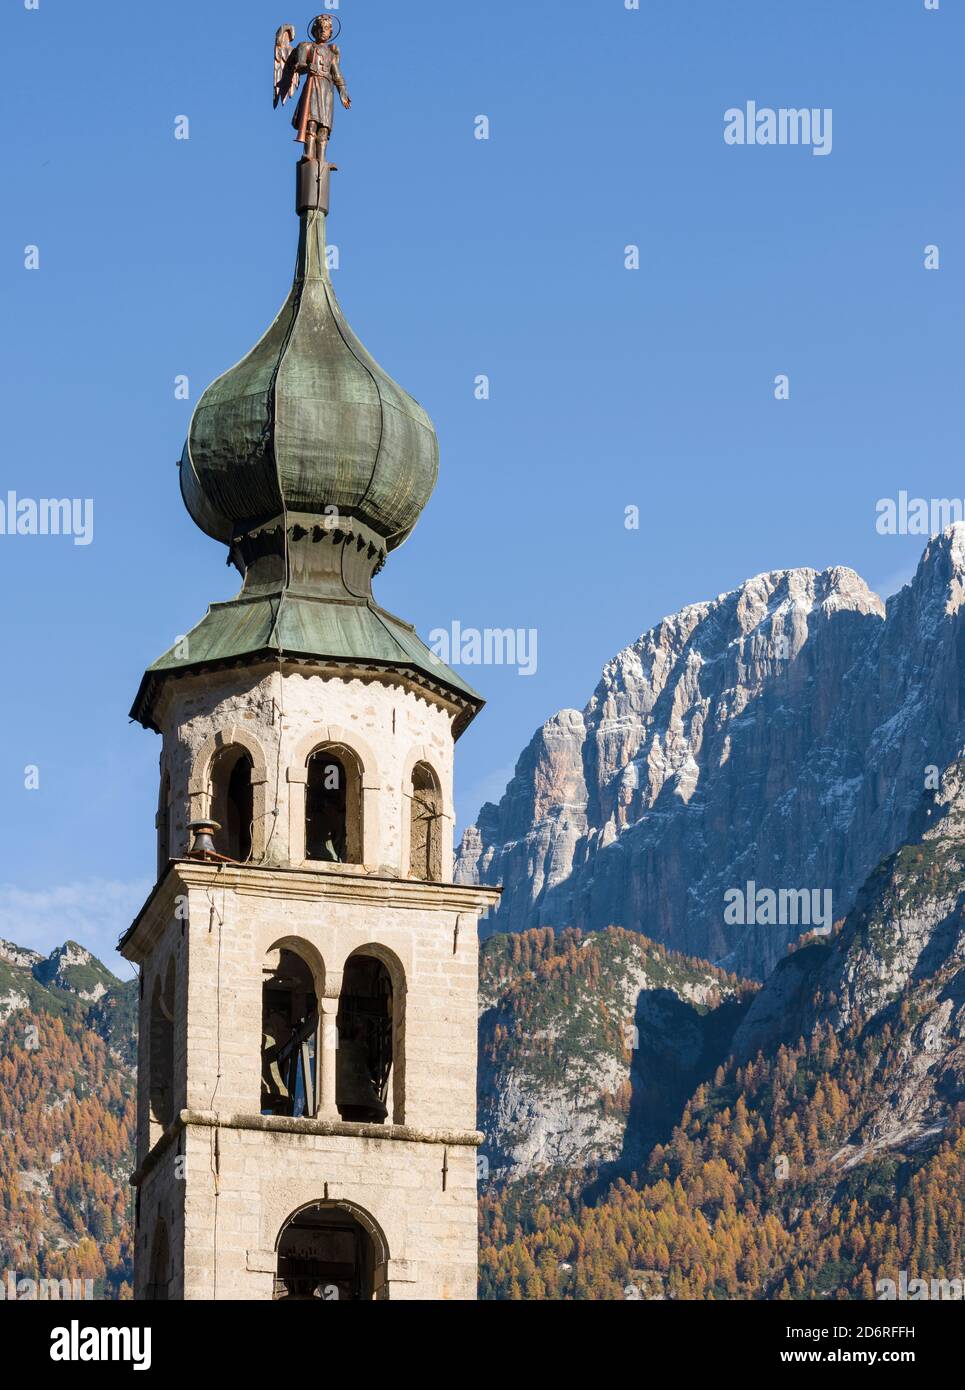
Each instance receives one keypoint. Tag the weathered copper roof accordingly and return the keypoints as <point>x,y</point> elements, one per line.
<point>308,420</point>
<point>296,627</point>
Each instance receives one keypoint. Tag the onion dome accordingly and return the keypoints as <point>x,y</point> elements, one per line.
<point>310,463</point>
<point>308,422</point>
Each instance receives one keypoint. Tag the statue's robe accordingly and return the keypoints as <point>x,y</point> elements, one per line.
<point>319,65</point>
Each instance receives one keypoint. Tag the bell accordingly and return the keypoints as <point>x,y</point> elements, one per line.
<point>274,1090</point>
<point>357,1097</point>
<point>203,832</point>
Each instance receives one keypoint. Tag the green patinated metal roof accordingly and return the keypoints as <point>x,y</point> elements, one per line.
<point>300,627</point>
<point>309,420</point>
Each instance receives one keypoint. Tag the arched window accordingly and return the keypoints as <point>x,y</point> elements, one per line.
<point>161,1061</point>
<point>158,1288</point>
<point>366,1036</point>
<point>425,834</point>
<point>333,1252</point>
<point>333,807</point>
<point>289,1050</point>
<point>232,803</point>
<point>164,824</point>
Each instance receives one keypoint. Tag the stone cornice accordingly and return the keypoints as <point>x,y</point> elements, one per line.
<point>274,1124</point>
<point>334,883</point>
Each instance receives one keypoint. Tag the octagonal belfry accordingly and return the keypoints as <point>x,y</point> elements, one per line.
<point>308,970</point>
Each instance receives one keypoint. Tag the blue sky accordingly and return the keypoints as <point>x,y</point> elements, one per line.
<point>461,257</point>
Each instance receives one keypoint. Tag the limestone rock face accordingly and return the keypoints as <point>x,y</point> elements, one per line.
<point>21,957</point>
<point>590,1045</point>
<point>781,734</point>
<point>72,968</point>
<point>899,960</point>
<point>26,977</point>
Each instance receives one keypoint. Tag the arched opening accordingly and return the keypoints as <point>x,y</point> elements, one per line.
<point>232,803</point>
<point>333,807</point>
<point>366,1036</point>
<point>159,1280</point>
<point>161,1061</point>
<point>164,824</point>
<point>289,1047</point>
<point>333,1252</point>
<point>425,832</point>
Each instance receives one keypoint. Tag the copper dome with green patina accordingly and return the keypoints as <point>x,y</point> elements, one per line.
<point>310,464</point>
<point>308,422</point>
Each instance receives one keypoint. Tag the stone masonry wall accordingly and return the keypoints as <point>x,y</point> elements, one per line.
<point>281,718</point>
<point>223,1180</point>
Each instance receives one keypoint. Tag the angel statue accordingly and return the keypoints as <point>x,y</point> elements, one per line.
<point>318,61</point>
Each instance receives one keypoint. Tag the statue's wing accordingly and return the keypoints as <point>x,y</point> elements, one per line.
<point>286,76</point>
<point>290,77</point>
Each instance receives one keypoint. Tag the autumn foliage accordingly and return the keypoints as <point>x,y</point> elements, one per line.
<point>765,1190</point>
<point>66,1145</point>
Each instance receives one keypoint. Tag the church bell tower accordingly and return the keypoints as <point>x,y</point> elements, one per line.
<point>308,970</point>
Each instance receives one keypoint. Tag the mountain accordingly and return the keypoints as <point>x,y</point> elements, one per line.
<point>899,961</point>
<point>655,1127</point>
<point>67,1101</point>
<point>825,1154</point>
<point>780,735</point>
<point>27,977</point>
<point>589,1046</point>
<point>72,968</point>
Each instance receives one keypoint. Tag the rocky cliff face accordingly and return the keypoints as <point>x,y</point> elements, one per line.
<point>897,964</point>
<point>826,1153</point>
<point>27,978</point>
<point>781,734</point>
<point>589,1046</point>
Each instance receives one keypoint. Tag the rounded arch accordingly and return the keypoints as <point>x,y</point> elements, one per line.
<point>370,1062</point>
<point>232,802</point>
<point>293,984</point>
<point>433,759</point>
<point>333,818</point>
<point>425,824</point>
<point>240,809</point>
<point>331,1250</point>
<point>389,959</point>
<point>364,1218</point>
<point>235,736</point>
<point>309,953</point>
<point>333,735</point>
<point>443,814</point>
<point>334,805</point>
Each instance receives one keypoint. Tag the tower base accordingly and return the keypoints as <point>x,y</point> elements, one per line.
<point>244,1207</point>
